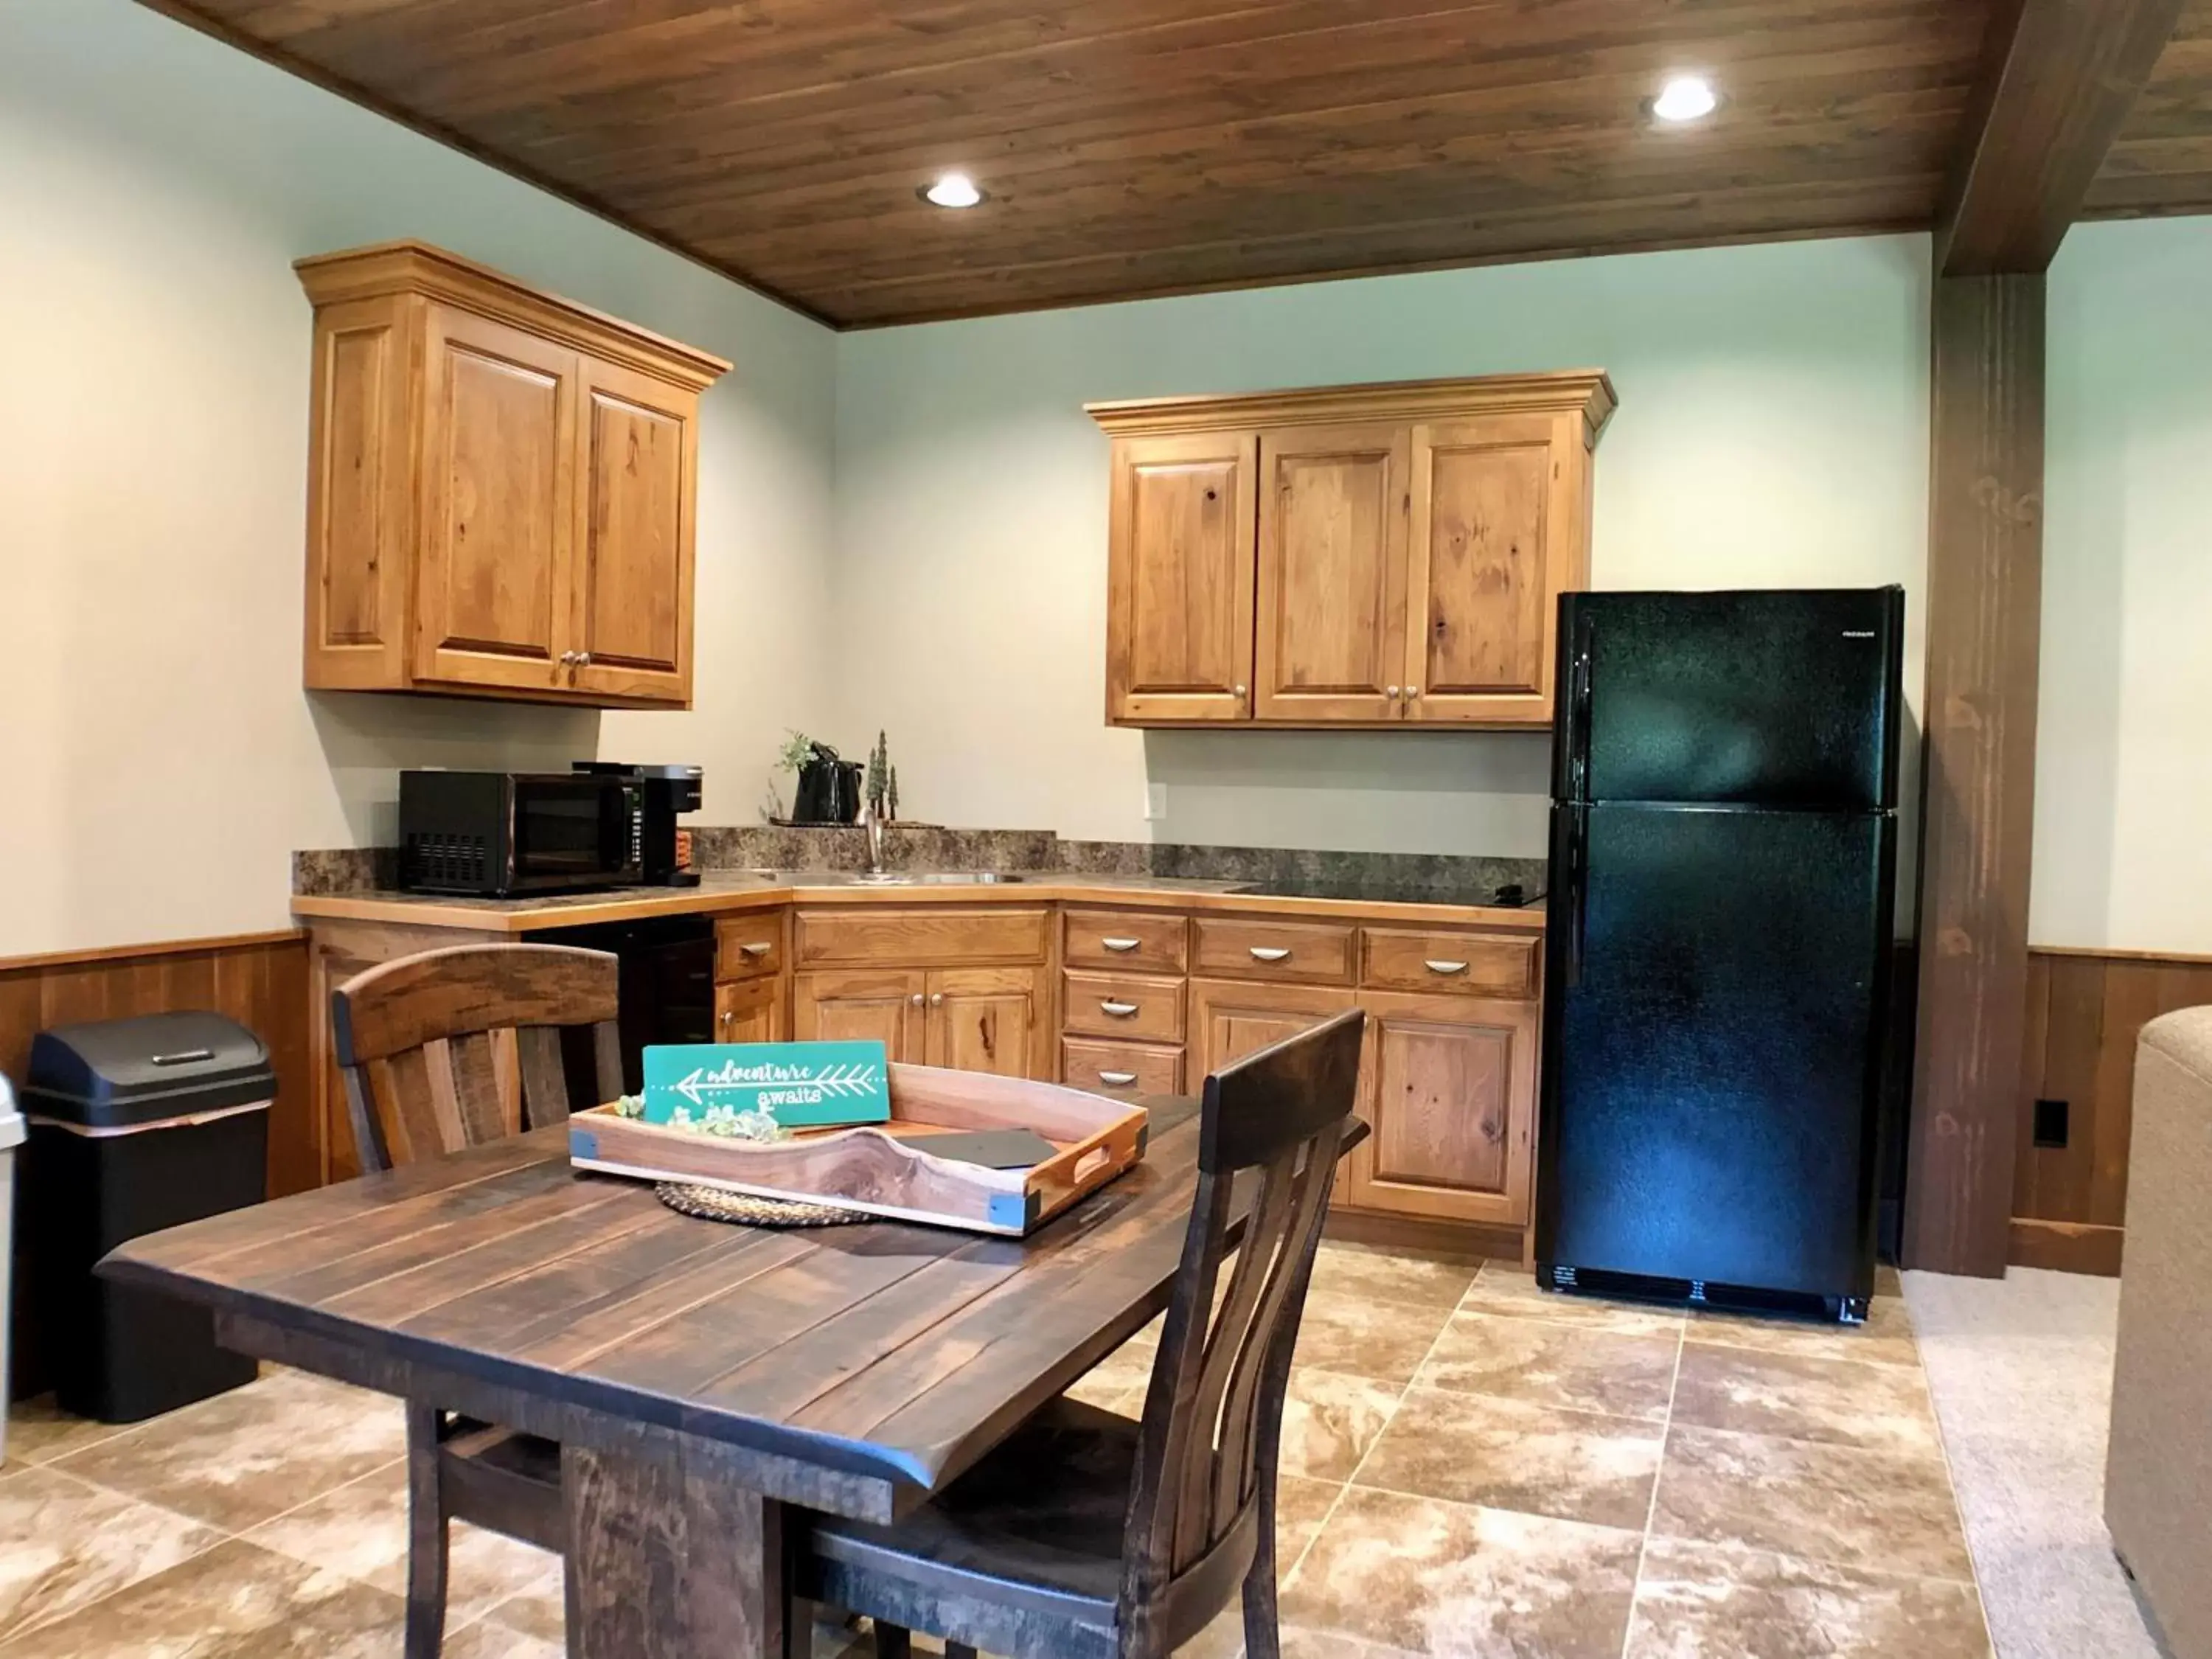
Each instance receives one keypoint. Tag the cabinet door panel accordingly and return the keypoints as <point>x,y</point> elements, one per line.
<point>494,601</point>
<point>361,500</point>
<point>1331,578</point>
<point>1229,1021</point>
<point>1450,1092</point>
<point>1486,566</point>
<point>1179,600</point>
<point>885,1005</point>
<point>986,1019</point>
<point>748,1010</point>
<point>636,461</point>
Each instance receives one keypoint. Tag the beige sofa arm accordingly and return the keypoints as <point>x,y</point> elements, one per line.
<point>2158,1480</point>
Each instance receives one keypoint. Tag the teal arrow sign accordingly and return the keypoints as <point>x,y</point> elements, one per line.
<point>800,1084</point>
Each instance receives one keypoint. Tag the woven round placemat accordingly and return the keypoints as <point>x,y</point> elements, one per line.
<point>712,1204</point>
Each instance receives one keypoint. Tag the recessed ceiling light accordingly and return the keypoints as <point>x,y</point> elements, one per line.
<point>1685,98</point>
<point>953,189</point>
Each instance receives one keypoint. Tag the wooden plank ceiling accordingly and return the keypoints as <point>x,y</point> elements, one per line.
<point>1144,147</point>
<point>2162,161</point>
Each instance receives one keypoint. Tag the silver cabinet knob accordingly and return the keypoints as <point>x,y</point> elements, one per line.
<point>1243,690</point>
<point>583,659</point>
<point>937,999</point>
<point>1412,691</point>
<point>1391,692</point>
<point>1269,952</point>
<point>568,660</point>
<point>1436,967</point>
<point>1117,1080</point>
<point>1120,944</point>
<point>726,1017</point>
<point>917,999</point>
<point>1118,1009</point>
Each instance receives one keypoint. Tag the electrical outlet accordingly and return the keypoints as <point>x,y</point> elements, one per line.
<point>2050,1124</point>
<point>1156,802</point>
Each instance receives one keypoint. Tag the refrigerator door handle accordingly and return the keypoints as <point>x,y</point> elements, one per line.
<point>1578,713</point>
<point>1578,862</point>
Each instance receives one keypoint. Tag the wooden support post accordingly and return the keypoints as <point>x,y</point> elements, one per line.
<point>1985,595</point>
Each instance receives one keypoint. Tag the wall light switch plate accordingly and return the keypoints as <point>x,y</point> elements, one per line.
<point>1155,801</point>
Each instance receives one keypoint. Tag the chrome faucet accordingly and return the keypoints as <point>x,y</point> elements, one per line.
<point>871,820</point>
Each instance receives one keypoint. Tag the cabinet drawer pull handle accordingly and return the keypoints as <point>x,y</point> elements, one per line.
<point>1120,943</point>
<point>1436,967</point>
<point>1269,952</point>
<point>1117,1080</point>
<point>1118,1010</point>
<point>726,1018</point>
<point>757,948</point>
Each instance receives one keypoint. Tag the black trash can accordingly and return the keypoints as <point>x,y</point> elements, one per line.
<point>136,1125</point>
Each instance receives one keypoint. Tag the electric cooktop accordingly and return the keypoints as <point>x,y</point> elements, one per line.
<point>1381,890</point>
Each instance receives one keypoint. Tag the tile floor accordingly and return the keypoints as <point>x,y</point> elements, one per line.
<point>1471,1468</point>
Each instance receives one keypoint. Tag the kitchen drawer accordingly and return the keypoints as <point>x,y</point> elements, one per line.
<point>866,935</point>
<point>1300,952</point>
<point>1142,941</point>
<point>1123,1006</point>
<point>1475,965</point>
<point>747,947</point>
<point>1129,1069</point>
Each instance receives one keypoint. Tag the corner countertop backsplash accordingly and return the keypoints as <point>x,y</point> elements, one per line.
<point>1402,876</point>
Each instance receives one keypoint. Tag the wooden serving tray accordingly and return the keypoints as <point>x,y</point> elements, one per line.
<point>870,1169</point>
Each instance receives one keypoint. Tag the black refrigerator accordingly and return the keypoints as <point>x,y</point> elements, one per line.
<point>1724,873</point>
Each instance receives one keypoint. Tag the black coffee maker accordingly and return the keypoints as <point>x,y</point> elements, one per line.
<point>664,851</point>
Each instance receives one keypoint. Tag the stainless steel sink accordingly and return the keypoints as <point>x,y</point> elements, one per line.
<point>937,879</point>
<point>891,877</point>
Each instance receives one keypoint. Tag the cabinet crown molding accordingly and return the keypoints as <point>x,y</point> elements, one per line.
<point>385,269</point>
<point>1586,389</point>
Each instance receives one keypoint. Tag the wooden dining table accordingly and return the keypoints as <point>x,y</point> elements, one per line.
<point>704,1380</point>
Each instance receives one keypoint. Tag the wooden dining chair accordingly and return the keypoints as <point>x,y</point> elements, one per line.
<point>443,1051</point>
<point>1087,1535</point>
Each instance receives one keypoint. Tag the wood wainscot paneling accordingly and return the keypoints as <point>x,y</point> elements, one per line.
<point>259,980</point>
<point>2085,1011</point>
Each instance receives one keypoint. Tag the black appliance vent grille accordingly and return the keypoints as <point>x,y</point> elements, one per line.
<point>446,860</point>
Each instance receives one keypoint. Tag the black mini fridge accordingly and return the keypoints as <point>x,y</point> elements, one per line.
<point>1724,872</point>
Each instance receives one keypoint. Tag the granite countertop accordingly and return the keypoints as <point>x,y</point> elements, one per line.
<point>731,890</point>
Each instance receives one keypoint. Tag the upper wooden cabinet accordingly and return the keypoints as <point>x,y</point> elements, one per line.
<point>1363,555</point>
<point>501,488</point>
<point>1179,628</point>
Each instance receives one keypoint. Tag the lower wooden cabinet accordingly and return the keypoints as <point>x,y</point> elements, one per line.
<point>750,1011</point>
<point>973,1019</point>
<point>1449,1088</point>
<point>1129,1069</point>
<point>1229,1019</point>
<point>856,1004</point>
<point>986,1019</point>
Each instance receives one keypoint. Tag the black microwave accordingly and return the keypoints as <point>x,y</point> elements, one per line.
<point>500,835</point>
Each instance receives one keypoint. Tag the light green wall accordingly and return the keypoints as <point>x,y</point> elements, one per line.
<point>161,759</point>
<point>1772,431</point>
<point>2123,755</point>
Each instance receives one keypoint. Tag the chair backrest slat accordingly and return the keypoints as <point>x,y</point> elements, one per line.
<point>1227,1337</point>
<point>443,1049</point>
<point>1271,1126</point>
<point>1242,1419</point>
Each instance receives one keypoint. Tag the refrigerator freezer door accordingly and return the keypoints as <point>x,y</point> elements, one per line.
<point>1710,1077</point>
<point>1781,698</point>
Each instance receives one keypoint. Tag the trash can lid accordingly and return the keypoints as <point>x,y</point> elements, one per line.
<point>114,1073</point>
